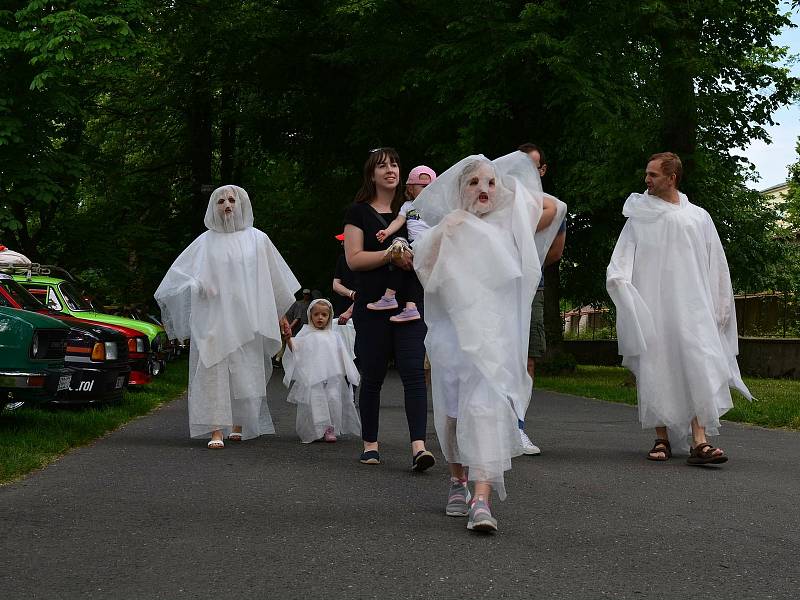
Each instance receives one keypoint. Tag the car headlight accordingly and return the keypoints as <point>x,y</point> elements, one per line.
<point>35,345</point>
<point>111,351</point>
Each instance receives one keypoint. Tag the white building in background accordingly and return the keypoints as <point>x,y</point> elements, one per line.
<point>775,195</point>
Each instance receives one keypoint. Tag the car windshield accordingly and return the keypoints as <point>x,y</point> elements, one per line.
<point>20,295</point>
<point>73,298</point>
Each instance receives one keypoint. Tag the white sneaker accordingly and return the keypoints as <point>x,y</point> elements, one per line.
<point>528,447</point>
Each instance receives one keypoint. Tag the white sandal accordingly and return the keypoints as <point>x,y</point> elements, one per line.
<point>216,444</point>
<point>235,436</point>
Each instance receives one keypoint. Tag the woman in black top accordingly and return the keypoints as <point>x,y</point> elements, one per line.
<point>377,339</point>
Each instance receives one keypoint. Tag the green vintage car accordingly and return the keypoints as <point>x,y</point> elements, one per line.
<point>32,349</point>
<point>60,294</point>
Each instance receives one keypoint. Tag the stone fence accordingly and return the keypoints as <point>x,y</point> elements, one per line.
<point>758,357</point>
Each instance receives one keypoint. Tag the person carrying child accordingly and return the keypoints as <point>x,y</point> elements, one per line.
<point>405,281</point>
<point>324,374</point>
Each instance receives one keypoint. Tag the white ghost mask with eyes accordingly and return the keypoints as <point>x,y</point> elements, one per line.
<point>229,210</point>
<point>478,187</point>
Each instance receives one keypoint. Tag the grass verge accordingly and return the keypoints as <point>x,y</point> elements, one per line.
<point>31,438</point>
<point>778,399</point>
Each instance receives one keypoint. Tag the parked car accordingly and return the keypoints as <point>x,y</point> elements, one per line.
<point>32,350</point>
<point>97,355</point>
<point>60,295</point>
<point>141,360</point>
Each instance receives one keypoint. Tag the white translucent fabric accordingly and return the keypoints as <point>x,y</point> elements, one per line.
<point>348,334</point>
<point>480,275</point>
<point>322,369</point>
<point>518,168</point>
<point>676,320</point>
<point>226,292</point>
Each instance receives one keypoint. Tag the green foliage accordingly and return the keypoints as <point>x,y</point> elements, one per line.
<point>557,362</point>
<point>113,115</point>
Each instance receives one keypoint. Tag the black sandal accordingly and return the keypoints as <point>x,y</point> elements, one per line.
<point>703,454</point>
<point>660,445</point>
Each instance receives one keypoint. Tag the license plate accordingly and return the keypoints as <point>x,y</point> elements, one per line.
<point>120,381</point>
<point>63,382</point>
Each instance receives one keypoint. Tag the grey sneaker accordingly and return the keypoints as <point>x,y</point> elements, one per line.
<point>458,499</point>
<point>480,517</point>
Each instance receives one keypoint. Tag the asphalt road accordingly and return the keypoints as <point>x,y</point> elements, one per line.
<point>148,513</point>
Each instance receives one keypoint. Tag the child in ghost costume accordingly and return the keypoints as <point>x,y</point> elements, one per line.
<point>228,292</point>
<point>322,368</point>
<point>676,320</point>
<point>479,267</point>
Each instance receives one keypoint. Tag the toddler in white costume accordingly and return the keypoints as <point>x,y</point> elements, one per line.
<point>322,368</point>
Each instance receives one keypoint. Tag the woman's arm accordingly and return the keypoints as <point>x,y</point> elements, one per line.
<point>357,258</point>
<point>340,289</point>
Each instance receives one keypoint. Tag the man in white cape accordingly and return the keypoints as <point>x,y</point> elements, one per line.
<point>228,291</point>
<point>676,319</point>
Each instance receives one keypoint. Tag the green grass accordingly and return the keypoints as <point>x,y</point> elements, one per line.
<point>778,399</point>
<point>31,438</point>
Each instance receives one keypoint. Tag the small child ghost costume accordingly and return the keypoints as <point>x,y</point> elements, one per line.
<point>226,292</point>
<point>322,368</point>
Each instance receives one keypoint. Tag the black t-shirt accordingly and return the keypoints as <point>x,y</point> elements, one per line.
<point>346,276</point>
<point>370,285</point>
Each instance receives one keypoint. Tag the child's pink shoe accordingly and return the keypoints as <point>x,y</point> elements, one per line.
<point>329,436</point>
<point>385,303</point>
<point>407,314</point>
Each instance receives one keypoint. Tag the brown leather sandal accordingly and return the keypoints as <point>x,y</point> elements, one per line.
<point>660,445</point>
<point>703,454</point>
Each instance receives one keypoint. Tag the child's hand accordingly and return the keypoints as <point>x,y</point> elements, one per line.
<point>381,235</point>
<point>286,329</point>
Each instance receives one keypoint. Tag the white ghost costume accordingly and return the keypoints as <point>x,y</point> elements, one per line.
<point>226,292</point>
<point>322,368</point>
<point>479,273</point>
<point>676,319</point>
<point>516,168</point>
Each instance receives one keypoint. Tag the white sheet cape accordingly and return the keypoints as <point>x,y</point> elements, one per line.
<point>479,275</point>
<point>225,292</point>
<point>676,319</point>
<point>324,374</point>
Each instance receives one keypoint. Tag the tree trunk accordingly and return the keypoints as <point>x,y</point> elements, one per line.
<point>679,103</point>
<point>200,150</point>
<point>228,140</point>
<point>553,324</point>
